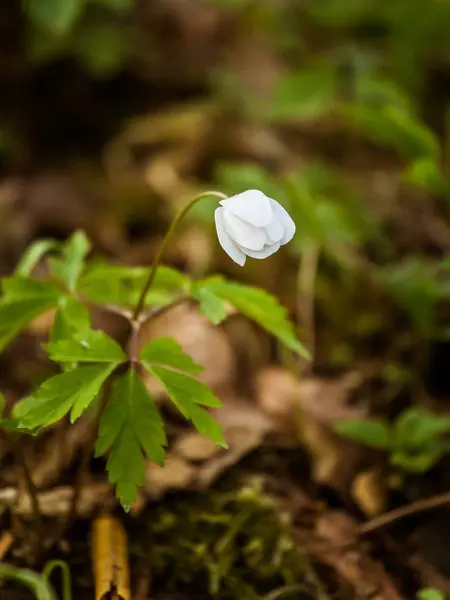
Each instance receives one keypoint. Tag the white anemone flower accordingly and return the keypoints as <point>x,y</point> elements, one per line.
<point>251,224</point>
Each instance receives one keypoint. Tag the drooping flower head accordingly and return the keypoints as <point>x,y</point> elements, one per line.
<point>251,224</point>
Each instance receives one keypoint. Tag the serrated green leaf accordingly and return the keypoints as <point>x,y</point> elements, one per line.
<point>111,284</point>
<point>129,425</point>
<point>86,346</point>
<point>71,317</point>
<point>58,16</point>
<point>72,391</point>
<point>166,352</point>
<point>371,433</point>
<point>187,393</point>
<point>70,267</point>
<point>213,307</point>
<point>33,255</point>
<point>24,300</point>
<point>126,467</point>
<point>207,426</point>
<point>259,306</point>
<point>16,426</point>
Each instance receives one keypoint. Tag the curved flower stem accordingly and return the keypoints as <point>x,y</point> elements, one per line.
<point>66,578</point>
<point>162,248</point>
<point>35,582</point>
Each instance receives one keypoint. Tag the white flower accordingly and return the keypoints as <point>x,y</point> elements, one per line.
<point>251,224</point>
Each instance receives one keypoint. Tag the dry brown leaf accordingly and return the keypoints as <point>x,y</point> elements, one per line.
<point>57,502</point>
<point>277,392</point>
<point>369,493</point>
<point>335,461</point>
<point>6,541</point>
<point>206,344</point>
<point>60,450</point>
<point>429,575</point>
<point>195,447</point>
<point>176,473</point>
<point>245,427</point>
<point>42,324</point>
<point>336,545</point>
<point>110,558</point>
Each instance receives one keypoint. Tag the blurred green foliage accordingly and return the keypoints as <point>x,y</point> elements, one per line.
<point>93,31</point>
<point>430,594</point>
<point>415,441</point>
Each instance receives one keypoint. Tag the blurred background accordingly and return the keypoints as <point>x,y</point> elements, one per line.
<point>113,114</point>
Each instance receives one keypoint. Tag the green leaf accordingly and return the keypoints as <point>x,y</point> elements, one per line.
<point>187,394</point>
<point>70,267</point>
<point>391,126</point>
<point>72,391</point>
<point>102,48</point>
<point>58,16</point>
<point>427,174</point>
<point>416,427</point>
<point>33,255</point>
<point>166,352</point>
<point>163,355</point>
<point>25,288</point>
<point>117,5</point>
<point>305,94</point>
<point>24,300</point>
<point>371,433</point>
<point>213,307</point>
<point>2,405</point>
<point>130,425</point>
<point>111,284</point>
<point>259,306</point>
<point>71,317</point>
<point>419,461</point>
<point>414,288</point>
<point>430,594</point>
<point>16,426</point>
<point>86,346</point>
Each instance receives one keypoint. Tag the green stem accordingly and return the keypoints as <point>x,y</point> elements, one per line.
<point>66,579</point>
<point>141,302</point>
<point>306,284</point>
<point>33,581</point>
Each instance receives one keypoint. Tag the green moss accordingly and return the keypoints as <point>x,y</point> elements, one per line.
<point>228,544</point>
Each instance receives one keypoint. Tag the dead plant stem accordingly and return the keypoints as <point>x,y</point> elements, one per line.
<point>404,511</point>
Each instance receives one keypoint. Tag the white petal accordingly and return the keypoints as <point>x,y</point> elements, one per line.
<point>264,253</point>
<point>251,206</point>
<point>285,219</point>
<point>242,233</point>
<point>274,230</point>
<point>225,241</point>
